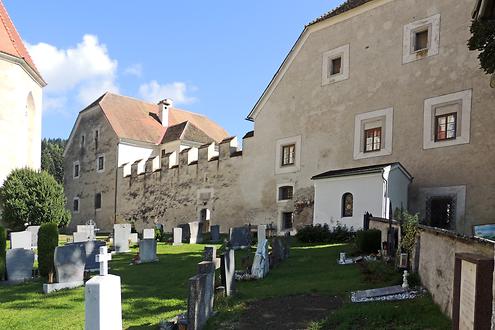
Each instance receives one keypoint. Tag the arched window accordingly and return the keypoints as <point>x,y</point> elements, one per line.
<point>347,205</point>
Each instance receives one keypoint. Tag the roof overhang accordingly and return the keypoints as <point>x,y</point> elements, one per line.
<point>372,169</point>
<point>24,65</point>
<point>317,26</point>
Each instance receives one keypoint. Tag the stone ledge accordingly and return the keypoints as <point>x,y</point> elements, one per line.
<point>456,236</point>
<point>52,287</point>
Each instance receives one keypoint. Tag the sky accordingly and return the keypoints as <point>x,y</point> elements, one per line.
<point>210,57</point>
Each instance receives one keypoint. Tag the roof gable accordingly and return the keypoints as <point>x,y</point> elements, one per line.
<point>11,42</point>
<point>361,170</point>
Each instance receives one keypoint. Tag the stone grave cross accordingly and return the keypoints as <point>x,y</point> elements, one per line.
<point>103,259</point>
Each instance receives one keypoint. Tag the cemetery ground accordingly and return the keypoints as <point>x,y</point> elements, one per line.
<point>310,285</point>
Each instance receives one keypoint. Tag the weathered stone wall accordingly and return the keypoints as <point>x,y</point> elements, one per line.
<point>90,181</point>
<point>437,259</point>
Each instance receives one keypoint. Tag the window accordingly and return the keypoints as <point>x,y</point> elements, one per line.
<point>98,201</point>
<point>75,205</point>
<point>287,220</point>
<point>288,154</point>
<point>373,133</point>
<point>372,139</point>
<point>445,126</point>
<point>347,205</point>
<point>100,163</point>
<point>204,215</point>
<point>285,193</point>
<point>75,170</point>
<point>336,66</point>
<point>164,153</point>
<point>421,40</point>
<point>97,136</point>
<point>82,140</point>
<point>447,120</point>
<point>441,211</point>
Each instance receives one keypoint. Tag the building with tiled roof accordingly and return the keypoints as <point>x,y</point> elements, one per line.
<point>20,102</point>
<point>116,130</point>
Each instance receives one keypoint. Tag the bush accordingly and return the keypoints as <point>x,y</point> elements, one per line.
<point>3,251</point>
<point>368,241</point>
<point>323,234</point>
<point>32,197</point>
<point>47,242</point>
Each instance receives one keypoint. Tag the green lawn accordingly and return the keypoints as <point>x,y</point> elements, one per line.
<point>153,292</point>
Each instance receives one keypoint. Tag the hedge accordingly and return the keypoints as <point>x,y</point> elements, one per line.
<point>47,242</point>
<point>3,251</point>
<point>369,241</point>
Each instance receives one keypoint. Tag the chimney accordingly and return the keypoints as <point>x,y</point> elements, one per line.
<point>163,107</point>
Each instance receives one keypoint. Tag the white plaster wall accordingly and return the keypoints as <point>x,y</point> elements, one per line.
<point>20,119</point>
<point>129,153</point>
<point>367,191</point>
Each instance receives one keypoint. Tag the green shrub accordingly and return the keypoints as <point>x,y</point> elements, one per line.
<point>368,241</point>
<point>3,251</point>
<point>47,242</point>
<point>32,197</point>
<point>323,234</point>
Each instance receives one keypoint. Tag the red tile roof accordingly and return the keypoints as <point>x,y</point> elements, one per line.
<point>10,40</point>
<point>347,5</point>
<point>138,120</point>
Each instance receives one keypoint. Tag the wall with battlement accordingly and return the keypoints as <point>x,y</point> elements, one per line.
<point>173,189</point>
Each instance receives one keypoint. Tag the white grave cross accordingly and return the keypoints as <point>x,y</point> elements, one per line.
<point>103,259</point>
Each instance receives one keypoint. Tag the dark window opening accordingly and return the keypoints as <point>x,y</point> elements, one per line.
<point>101,163</point>
<point>440,211</point>
<point>421,40</point>
<point>288,154</point>
<point>75,206</point>
<point>445,127</point>
<point>98,201</point>
<point>336,66</point>
<point>163,153</point>
<point>285,192</point>
<point>347,205</point>
<point>76,170</point>
<point>82,140</point>
<point>287,220</point>
<point>97,135</point>
<point>373,139</point>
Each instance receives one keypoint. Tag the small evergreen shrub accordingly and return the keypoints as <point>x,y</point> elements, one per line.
<point>47,242</point>
<point>3,251</point>
<point>368,241</point>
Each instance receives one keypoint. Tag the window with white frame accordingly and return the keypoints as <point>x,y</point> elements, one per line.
<point>75,204</point>
<point>373,133</point>
<point>447,120</point>
<point>288,155</point>
<point>335,65</point>
<point>421,39</point>
<point>100,163</point>
<point>76,168</point>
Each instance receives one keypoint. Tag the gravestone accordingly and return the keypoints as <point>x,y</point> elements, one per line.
<point>21,240</point>
<point>88,229</point>
<point>92,248</point>
<point>261,264</point>
<point>240,237</point>
<point>210,254</point>
<point>177,236</point>
<point>227,271</point>
<point>473,295</point>
<point>215,233</point>
<point>102,298</point>
<point>261,233</point>
<point>208,268</point>
<point>79,237</point>
<point>148,233</point>
<point>121,233</point>
<point>379,292</point>
<point>69,261</point>
<point>196,312</point>
<point>195,232</point>
<point>147,250</point>
<point>186,232</point>
<point>133,237</point>
<point>19,264</point>
<point>34,235</point>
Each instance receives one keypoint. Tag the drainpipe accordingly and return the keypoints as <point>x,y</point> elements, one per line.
<point>116,185</point>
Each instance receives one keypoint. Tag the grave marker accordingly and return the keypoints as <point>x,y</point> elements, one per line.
<point>177,236</point>
<point>70,261</point>
<point>21,240</point>
<point>19,263</point>
<point>147,251</point>
<point>240,237</point>
<point>195,232</point>
<point>148,233</point>
<point>215,233</point>
<point>34,235</point>
<point>121,233</point>
<point>228,271</point>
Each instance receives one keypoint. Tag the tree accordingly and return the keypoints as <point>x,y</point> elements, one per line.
<point>47,242</point>
<point>32,197</point>
<point>52,158</point>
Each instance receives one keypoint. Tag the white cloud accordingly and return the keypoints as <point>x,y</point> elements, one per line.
<point>134,70</point>
<point>87,70</point>
<point>177,91</point>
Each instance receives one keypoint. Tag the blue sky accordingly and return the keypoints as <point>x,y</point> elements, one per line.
<point>211,57</point>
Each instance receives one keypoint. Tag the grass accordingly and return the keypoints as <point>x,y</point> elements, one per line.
<point>158,291</point>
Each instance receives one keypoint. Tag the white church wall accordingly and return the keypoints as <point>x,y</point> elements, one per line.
<point>20,119</point>
<point>367,191</point>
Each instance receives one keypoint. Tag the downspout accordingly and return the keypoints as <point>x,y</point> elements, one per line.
<point>385,195</point>
<point>116,186</point>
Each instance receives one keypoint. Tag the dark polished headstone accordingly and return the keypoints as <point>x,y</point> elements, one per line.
<point>215,233</point>
<point>240,237</point>
<point>186,234</point>
<point>70,261</point>
<point>147,250</point>
<point>228,271</point>
<point>19,264</point>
